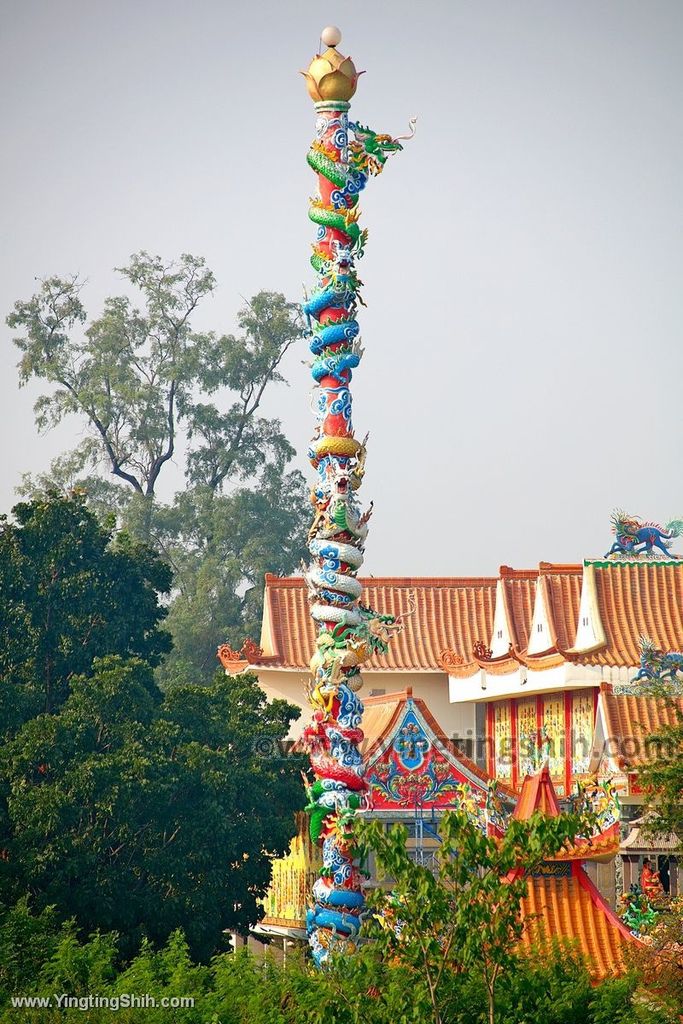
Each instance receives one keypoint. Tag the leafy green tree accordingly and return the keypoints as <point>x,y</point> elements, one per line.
<point>463,918</point>
<point>363,989</point>
<point>221,547</point>
<point>71,592</point>
<point>151,389</point>
<point>27,941</point>
<point>141,815</point>
<point>134,375</point>
<point>660,962</point>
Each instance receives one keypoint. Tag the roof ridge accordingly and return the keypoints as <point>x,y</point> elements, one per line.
<point>560,568</point>
<point>389,698</point>
<point>272,579</point>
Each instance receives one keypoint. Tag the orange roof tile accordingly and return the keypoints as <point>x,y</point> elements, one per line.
<point>450,614</point>
<point>561,901</point>
<point>519,592</point>
<point>570,908</point>
<point>636,598</point>
<point>538,794</point>
<point>380,716</point>
<point>562,591</point>
<point>631,720</point>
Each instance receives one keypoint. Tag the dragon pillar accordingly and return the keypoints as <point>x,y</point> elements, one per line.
<point>343,156</point>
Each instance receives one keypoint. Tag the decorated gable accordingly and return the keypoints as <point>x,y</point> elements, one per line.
<point>411,764</point>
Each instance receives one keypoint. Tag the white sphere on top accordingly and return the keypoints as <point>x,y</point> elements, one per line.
<point>331,35</point>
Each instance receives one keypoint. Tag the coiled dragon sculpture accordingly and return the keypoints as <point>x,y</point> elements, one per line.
<point>343,155</point>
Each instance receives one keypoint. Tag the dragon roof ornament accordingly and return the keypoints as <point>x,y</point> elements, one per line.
<point>636,539</point>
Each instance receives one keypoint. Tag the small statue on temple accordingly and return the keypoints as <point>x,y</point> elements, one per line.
<point>635,537</point>
<point>650,881</point>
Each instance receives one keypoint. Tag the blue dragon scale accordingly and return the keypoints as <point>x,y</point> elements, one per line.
<point>343,155</point>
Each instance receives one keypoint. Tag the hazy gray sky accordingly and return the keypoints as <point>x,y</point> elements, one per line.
<point>523,275</point>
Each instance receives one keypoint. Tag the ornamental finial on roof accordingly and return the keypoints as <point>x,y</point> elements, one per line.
<point>636,538</point>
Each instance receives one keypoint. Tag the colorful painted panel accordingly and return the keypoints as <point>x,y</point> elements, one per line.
<point>583,720</point>
<point>414,770</point>
<point>411,743</point>
<point>527,737</point>
<point>502,737</point>
<point>553,735</point>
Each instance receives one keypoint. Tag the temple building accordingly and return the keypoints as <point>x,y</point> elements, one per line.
<point>516,669</point>
<point>414,773</point>
<point>439,615</point>
<point>496,678</point>
<point>562,903</point>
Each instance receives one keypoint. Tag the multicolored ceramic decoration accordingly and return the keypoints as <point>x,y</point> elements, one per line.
<point>343,155</point>
<point>634,538</point>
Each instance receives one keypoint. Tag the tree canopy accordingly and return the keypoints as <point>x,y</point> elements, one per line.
<point>464,917</point>
<point>140,815</point>
<point>151,390</point>
<point>134,374</point>
<point>661,777</point>
<point>72,591</point>
<point>125,808</point>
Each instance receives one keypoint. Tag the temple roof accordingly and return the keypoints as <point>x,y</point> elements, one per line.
<point>636,598</point>
<point>519,593</point>
<point>630,720</point>
<point>591,615</point>
<point>449,614</point>
<point>561,901</point>
<point>538,794</point>
<point>570,908</point>
<point>562,590</point>
<point>637,842</point>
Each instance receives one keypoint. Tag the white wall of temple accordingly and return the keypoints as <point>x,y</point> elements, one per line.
<point>485,686</point>
<point>432,687</point>
<point>500,635</point>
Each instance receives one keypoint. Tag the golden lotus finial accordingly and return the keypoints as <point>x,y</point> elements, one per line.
<point>331,76</point>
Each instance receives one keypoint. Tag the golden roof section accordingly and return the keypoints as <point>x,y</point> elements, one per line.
<point>292,878</point>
